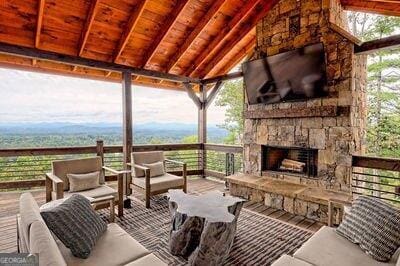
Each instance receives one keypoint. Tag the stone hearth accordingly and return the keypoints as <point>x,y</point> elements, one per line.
<point>332,125</point>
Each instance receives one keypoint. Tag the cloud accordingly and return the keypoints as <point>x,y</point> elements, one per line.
<point>35,97</point>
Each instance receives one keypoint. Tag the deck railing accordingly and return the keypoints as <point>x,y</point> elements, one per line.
<point>377,177</point>
<point>25,167</point>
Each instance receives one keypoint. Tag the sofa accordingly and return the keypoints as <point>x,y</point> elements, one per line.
<point>115,246</point>
<point>327,248</point>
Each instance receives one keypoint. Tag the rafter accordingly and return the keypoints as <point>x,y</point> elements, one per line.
<point>133,21</point>
<point>197,30</point>
<point>94,4</point>
<point>237,58</point>
<point>261,11</point>
<point>224,34</point>
<point>39,22</point>
<point>165,29</point>
<point>379,44</point>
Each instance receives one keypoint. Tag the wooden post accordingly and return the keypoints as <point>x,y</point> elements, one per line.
<point>202,129</point>
<point>100,149</point>
<point>127,124</point>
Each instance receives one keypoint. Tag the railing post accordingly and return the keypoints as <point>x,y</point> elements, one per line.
<point>100,149</point>
<point>202,129</point>
<point>127,124</point>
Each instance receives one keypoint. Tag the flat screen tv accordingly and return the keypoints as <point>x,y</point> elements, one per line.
<point>295,75</point>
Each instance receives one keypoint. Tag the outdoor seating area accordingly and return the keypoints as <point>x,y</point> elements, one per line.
<point>301,188</point>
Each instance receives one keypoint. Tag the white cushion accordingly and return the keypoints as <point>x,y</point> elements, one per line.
<point>148,260</point>
<point>286,260</point>
<point>98,192</point>
<point>327,248</point>
<point>42,242</point>
<point>114,247</point>
<point>79,182</point>
<point>159,183</point>
<point>156,169</point>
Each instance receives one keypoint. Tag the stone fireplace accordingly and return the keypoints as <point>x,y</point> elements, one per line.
<point>317,136</point>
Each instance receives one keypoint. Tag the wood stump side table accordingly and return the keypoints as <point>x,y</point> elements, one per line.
<point>203,227</point>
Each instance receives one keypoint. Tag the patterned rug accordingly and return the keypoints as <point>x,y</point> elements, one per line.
<point>259,240</point>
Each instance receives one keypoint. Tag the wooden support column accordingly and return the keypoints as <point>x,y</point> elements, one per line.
<point>127,124</point>
<point>202,128</point>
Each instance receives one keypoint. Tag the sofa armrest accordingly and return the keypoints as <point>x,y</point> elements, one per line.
<point>332,203</point>
<point>53,182</point>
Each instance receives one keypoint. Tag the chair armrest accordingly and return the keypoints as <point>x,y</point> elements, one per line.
<point>55,179</point>
<point>53,182</point>
<point>176,162</point>
<point>141,167</point>
<point>111,170</point>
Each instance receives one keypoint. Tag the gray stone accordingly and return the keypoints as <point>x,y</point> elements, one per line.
<point>274,201</point>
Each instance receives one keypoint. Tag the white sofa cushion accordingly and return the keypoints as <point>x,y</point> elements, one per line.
<point>327,248</point>
<point>115,247</point>
<point>148,260</point>
<point>287,260</point>
<point>42,242</point>
<point>159,183</point>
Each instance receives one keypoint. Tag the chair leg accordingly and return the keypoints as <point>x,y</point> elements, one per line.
<point>147,199</point>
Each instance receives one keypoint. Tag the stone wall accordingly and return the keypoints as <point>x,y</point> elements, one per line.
<point>336,138</point>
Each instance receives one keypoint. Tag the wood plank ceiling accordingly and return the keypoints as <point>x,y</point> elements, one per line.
<point>195,38</point>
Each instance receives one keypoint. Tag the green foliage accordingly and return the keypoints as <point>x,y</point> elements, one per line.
<point>231,97</point>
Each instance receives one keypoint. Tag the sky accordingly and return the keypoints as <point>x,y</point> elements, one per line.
<point>27,97</point>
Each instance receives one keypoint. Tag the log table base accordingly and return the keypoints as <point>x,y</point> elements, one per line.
<point>203,227</point>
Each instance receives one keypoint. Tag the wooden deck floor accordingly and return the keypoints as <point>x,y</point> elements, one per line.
<point>9,208</point>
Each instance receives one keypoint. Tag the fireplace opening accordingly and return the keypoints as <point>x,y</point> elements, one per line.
<point>294,160</point>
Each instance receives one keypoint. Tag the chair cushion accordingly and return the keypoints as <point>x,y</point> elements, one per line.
<point>159,183</point>
<point>115,247</point>
<point>147,261</point>
<point>42,242</point>
<point>79,182</point>
<point>156,169</point>
<point>327,248</point>
<point>145,157</point>
<point>76,224</point>
<point>287,260</point>
<point>374,225</point>
<point>98,192</point>
<point>29,213</point>
<point>77,166</point>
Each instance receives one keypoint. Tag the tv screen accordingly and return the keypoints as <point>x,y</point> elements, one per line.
<point>295,75</point>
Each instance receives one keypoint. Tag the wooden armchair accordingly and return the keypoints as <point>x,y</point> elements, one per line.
<point>153,185</point>
<point>57,184</point>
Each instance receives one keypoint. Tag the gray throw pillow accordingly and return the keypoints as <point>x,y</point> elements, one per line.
<point>374,225</point>
<point>76,224</point>
<point>79,182</point>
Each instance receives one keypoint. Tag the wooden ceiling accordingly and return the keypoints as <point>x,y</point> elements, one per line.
<point>383,7</point>
<point>193,38</point>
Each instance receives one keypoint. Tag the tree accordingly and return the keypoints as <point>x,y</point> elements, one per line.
<point>231,97</point>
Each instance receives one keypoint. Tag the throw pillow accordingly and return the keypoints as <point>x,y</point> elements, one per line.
<point>156,169</point>
<point>79,182</point>
<point>374,225</point>
<point>76,224</point>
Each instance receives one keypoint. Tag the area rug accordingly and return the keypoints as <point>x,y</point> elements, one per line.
<point>259,240</point>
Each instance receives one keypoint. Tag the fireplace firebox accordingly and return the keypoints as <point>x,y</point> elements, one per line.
<point>293,160</point>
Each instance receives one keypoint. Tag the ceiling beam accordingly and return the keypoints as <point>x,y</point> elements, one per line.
<point>379,44</point>
<point>39,22</point>
<point>229,76</point>
<point>388,8</point>
<point>130,26</point>
<point>262,10</point>
<point>223,35</point>
<point>34,53</point>
<point>166,27</point>
<point>94,4</point>
<point>197,30</point>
